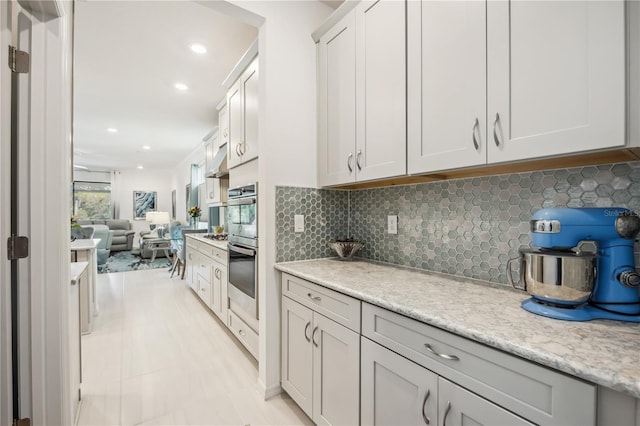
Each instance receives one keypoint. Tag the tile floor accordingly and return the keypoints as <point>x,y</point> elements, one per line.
<point>156,356</point>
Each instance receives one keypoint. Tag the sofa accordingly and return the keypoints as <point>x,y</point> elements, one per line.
<point>122,233</point>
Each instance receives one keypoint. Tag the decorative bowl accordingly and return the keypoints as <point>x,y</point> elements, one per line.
<point>346,248</point>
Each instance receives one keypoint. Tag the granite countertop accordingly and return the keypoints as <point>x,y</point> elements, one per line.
<point>222,245</point>
<point>84,244</point>
<point>603,352</point>
<point>75,270</point>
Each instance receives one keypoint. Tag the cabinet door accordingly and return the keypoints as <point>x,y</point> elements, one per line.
<point>223,126</point>
<point>336,373</point>
<point>381,143</point>
<point>297,354</point>
<point>224,299</point>
<point>191,272</point>
<point>337,103</point>
<point>446,84</point>
<point>396,391</point>
<point>556,77</point>
<point>250,94</point>
<point>234,105</point>
<point>458,406</point>
<point>219,280</point>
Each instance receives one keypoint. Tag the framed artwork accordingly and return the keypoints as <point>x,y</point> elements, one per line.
<point>173,204</point>
<point>143,202</point>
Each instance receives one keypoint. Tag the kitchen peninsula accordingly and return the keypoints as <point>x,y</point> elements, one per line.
<point>603,353</point>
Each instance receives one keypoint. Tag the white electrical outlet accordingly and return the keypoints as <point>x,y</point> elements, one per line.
<point>298,223</point>
<point>392,224</point>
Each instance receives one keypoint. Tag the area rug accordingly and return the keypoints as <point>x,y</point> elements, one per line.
<point>124,261</point>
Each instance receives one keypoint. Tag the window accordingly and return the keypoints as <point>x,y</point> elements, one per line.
<point>92,200</point>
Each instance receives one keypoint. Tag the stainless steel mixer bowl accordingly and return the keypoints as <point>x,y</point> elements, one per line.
<point>557,277</point>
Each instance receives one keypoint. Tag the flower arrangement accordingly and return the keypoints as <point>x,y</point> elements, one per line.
<point>195,212</point>
<point>74,222</point>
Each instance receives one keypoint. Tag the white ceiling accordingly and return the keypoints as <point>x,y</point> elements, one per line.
<point>128,55</point>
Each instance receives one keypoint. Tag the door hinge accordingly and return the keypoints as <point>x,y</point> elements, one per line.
<point>22,422</point>
<point>18,60</point>
<point>17,247</point>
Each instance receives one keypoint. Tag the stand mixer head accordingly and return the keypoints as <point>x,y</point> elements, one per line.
<point>616,290</point>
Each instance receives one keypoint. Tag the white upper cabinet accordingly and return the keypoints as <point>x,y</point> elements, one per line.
<point>500,81</point>
<point>556,77</point>
<point>447,84</point>
<point>337,103</point>
<point>362,95</point>
<point>223,125</point>
<point>242,110</point>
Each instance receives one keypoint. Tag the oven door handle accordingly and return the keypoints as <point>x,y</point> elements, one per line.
<point>241,201</point>
<point>241,250</point>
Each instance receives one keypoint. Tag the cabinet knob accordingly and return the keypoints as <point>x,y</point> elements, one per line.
<point>242,333</point>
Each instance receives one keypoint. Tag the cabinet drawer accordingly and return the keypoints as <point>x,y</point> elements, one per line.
<point>243,332</point>
<point>341,308</point>
<point>537,393</point>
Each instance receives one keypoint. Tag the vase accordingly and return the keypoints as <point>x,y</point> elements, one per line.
<point>192,222</point>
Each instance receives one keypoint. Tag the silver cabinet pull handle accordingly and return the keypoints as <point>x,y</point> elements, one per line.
<point>314,298</point>
<point>446,413</point>
<point>306,328</point>
<point>349,162</point>
<point>313,336</point>
<point>426,419</point>
<point>358,159</point>
<point>445,356</point>
<point>476,125</point>
<point>237,150</point>
<point>242,333</point>
<point>242,146</point>
<point>495,127</point>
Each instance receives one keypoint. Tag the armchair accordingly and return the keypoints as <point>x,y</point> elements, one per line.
<point>103,249</point>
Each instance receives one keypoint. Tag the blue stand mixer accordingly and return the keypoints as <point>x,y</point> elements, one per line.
<point>567,281</point>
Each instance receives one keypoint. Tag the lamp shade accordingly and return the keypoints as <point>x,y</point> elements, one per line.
<point>158,217</point>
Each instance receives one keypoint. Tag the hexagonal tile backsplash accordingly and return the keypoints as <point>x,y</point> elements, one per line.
<point>468,227</point>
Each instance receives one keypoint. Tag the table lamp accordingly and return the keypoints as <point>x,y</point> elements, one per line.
<point>159,222</point>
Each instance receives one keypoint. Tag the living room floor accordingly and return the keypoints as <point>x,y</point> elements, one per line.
<point>157,356</point>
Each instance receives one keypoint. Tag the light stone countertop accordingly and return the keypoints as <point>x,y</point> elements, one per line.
<point>603,352</point>
<point>222,245</point>
<point>75,270</point>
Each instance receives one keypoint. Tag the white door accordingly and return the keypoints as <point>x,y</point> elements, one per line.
<point>336,373</point>
<point>297,354</point>
<point>458,407</point>
<point>446,85</point>
<point>556,77</point>
<point>35,169</point>
<point>250,93</point>
<point>337,104</point>
<point>381,142</point>
<point>396,391</point>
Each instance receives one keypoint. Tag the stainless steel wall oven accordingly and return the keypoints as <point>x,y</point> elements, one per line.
<point>242,219</point>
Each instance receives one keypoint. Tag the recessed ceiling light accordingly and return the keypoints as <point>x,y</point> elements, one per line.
<point>198,48</point>
<point>181,86</point>
<point>140,167</point>
<point>112,130</point>
<point>147,147</point>
<point>77,166</point>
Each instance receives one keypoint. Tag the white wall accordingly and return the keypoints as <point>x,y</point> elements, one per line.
<point>287,139</point>
<point>180,178</point>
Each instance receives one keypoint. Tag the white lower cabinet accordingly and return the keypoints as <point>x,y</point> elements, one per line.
<point>396,391</point>
<point>206,274</point>
<point>320,364</point>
